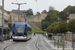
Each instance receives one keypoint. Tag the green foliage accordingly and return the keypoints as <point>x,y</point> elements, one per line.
<point>63,15</point>
<point>29,12</point>
<point>63,27</point>
<point>38,31</point>
<point>71,25</point>
<point>45,24</point>
<point>51,17</point>
<point>55,28</point>
<point>38,13</point>
<point>10,19</point>
<point>9,25</point>
<point>51,8</point>
<point>70,9</point>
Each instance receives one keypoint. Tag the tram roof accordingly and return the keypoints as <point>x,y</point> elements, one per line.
<point>21,24</point>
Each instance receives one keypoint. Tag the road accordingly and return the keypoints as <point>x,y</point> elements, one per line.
<point>35,43</point>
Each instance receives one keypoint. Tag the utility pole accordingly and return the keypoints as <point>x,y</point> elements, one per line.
<point>19,8</point>
<point>2,20</point>
<point>25,16</point>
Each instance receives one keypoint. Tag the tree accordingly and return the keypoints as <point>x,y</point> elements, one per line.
<point>51,8</point>
<point>44,11</point>
<point>9,24</point>
<point>38,13</point>
<point>45,24</point>
<point>10,19</point>
<point>29,12</point>
<point>70,9</point>
<point>53,27</point>
<point>63,15</point>
<point>51,17</point>
<point>56,29</point>
<point>71,27</point>
<point>63,27</point>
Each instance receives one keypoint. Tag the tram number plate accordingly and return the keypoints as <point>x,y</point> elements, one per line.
<point>18,37</point>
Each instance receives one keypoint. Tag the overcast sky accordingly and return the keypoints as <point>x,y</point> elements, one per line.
<point>42,4</point>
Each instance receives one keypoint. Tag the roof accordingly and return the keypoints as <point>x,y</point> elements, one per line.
<point>21,24</point>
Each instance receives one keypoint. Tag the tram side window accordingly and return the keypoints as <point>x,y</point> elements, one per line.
<point>25,32</point>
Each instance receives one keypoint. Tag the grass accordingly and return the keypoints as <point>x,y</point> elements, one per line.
<point>37,31</point>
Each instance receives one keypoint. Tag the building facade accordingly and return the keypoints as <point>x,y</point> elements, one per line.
<point>6,17</point>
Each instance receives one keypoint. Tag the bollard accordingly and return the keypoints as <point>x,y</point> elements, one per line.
<point>58,44</point>
<point>73,44</point>
<point>54,42</point>
<point>63,41</point>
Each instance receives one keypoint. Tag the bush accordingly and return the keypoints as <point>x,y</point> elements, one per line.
<point>71,25</point>
<point>9,25</point>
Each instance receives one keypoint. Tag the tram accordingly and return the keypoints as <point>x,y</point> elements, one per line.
<point>21,31</point>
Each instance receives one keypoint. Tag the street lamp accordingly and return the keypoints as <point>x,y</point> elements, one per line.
<point>19,8</point>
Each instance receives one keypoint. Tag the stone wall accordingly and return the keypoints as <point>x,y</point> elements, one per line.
<point>31,20</point>
<point>72,16</point>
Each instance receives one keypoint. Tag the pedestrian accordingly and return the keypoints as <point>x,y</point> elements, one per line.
<point>46,35</point>
<point>34,34</point>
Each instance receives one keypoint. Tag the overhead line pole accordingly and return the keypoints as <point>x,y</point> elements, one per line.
<point>19,8</point>
<point>2,20</point>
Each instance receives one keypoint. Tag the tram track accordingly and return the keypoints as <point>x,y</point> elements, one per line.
<point>8,46</point>
<point>36,45</point>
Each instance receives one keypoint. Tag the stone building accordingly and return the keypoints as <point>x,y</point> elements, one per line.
<point>69,34</point>
<point>71,16</point>
<point>44,14</point>
<point>6,17</point>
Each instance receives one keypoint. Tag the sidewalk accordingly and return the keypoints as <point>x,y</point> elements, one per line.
<point>67,45</point>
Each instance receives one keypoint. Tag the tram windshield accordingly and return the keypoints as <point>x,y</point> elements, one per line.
<point>19,29</point>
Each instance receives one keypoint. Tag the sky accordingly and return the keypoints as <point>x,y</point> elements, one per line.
<point>40,5</point>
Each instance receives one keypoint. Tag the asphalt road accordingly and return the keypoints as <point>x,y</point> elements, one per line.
<point>35,43</point>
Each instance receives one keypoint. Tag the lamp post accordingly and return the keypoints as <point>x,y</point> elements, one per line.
<point>19,8</point>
